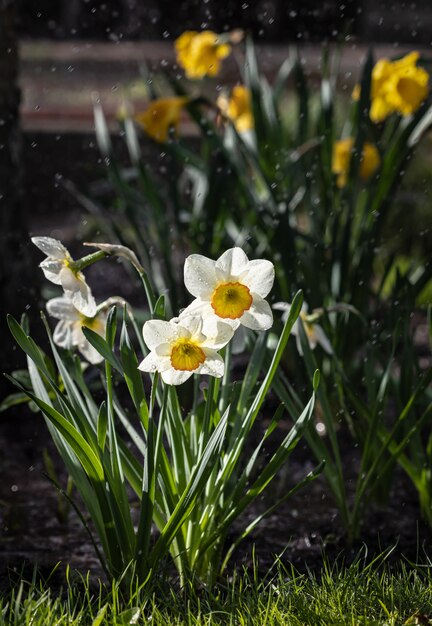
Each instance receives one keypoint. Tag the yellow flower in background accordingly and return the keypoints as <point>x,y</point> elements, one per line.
<point>238,108</point>
<point>200,54</point>
<point>397,87</point>
<point>408,85</point>
<point>160,116</point>
<point>342,151</point>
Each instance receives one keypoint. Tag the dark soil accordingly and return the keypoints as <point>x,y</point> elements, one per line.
<point>301,531</point>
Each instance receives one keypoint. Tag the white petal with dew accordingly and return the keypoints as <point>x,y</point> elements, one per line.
<point>217,333</point>
<point>62,309</point>
<point>51,247</point>
<point>62,335</point>
<point>199,276</point>
<point>197,307</point>
<point>231,264</point>
<point>51,269</point>
<point>213,365</point>
<point>259,316</point>
<point>192,323</point>
<point>156,332</point>
<point>175,377</point>
<point>259,277</point>
<point>154,363</point>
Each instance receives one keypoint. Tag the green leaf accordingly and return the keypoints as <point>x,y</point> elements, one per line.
<point>102,424</point>
<point>103,348</point>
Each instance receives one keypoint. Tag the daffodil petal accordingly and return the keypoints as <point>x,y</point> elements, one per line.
<point>51,269</point>
<point>62,309</point>
<point>199,275</point>
<point>175,377</point>
<point>90,353</point>
<point>259,316</point>
<point>232,263</point>
<point>154,363</point>
<point>62,335</point>
<point>163,349</point>
<point>156,332</point>
<point>217,333</point>
<point>77,290</point>
<point>192,323</point>
<point>259,277</point>
<point>213,365</point>
<point>322,339</point>
<point>51,247</point>
<point>196,307</point>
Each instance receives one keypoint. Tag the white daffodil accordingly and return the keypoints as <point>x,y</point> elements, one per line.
<point>314,333</point>
<point>68,332</point>
<point>232,288</point>
<point>180,349</point>
<point>58,267</point>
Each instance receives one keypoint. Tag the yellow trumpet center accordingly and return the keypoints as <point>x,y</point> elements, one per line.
<point>186,355</point>
<point>231,300</point>
<point>94,323</point>
<point>308,326</point>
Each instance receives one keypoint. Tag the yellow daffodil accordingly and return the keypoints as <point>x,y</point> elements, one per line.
<point>238,108</point>
<point>231,288</point>
<point>342,152</point>
<point>397,87</point>
<point>160,116</point>
<point>59,268</point>
<point>188,346</point>
<point>200,53</point>
<point>407,87</point>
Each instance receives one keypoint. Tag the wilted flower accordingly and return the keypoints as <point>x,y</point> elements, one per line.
<point>189,346</point>
<point>200,54</point>
<point>238,108</point>
<point>161,116</point>
<point>314,333</point>
<point>233,288</point>
<point>68,332</point>
<point>397,87</point>
<point>59,268</point>
<point>342,152</point>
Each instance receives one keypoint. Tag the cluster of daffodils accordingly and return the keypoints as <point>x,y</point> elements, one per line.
<point>199,54</point>
<point>76,308</point>
<point>229,293</point>
<point>397,87</point>
<point>341,159</point>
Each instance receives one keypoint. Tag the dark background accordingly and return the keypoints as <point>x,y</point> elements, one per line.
<point>269,20</point>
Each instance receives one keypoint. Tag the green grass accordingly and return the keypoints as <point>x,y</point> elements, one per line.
<point>357,595</point>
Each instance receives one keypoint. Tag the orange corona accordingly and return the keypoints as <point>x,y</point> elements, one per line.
<point>186,356</point>
<point>231,300</point>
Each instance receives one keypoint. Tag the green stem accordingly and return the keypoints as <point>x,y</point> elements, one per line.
<point>85,261</point>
